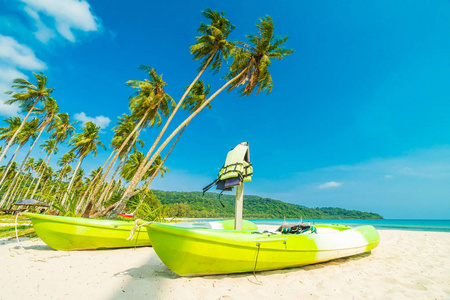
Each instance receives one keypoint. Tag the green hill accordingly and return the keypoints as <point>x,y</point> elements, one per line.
<point>194,205</point>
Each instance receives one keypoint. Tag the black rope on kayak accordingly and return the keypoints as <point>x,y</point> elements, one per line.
<point>256,262</point>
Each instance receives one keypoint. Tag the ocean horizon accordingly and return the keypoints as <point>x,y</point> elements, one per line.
<point>388,224</point>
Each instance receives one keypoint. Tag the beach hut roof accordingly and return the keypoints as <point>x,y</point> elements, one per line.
<point>31,202</point>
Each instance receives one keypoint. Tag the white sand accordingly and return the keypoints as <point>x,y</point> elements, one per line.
<point>405,265</point>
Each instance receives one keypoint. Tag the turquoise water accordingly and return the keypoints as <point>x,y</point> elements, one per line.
<point>421,225</point>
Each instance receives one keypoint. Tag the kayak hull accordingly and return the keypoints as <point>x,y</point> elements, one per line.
<point>71,233</point>
<point>193,252</point>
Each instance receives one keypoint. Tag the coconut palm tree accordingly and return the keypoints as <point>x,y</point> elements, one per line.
<point>47,113</point>
<point>62,175</point>
<point>125,126</point>
<point>250,67</point>
<point>50,110</point>
<point>48,175</point>
<point>29,168</point>
<point>64,162</point>
<point>121,143</point>
<point>131,165</point>
<point>7,132</point>
<point>66,159</point>
<point>196,97</point>
<point>29,131</point>
<point>61,127</point>
<point>39,166</point>
<point>50,148</point>
<point>28,96</point>
<point>146,106</point>
<point>10,173</point>
<point>11,170</point>
<point>212,47</point>
<point>84,143</point>
<point>94,176</point>
<point>78,179</point>
<point>254,59</point>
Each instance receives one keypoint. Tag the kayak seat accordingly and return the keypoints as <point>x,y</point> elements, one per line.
<point>296,229</point>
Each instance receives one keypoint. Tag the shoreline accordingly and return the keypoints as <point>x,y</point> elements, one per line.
<point>406,264</point>
<point>379,224</point>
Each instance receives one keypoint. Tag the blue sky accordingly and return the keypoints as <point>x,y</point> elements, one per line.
<point>359,116</point>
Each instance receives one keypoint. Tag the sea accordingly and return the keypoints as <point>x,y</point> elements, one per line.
<point>389,224</point>
<point>400,224</point>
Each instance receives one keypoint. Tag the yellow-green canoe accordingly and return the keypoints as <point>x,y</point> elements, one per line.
<point>71,233</point>
<point>191,251</point>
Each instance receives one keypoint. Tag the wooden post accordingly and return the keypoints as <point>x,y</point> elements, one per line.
<point>239,206</point>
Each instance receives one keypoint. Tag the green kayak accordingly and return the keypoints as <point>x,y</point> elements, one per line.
<point>191,251</point>
<point>71,233</point>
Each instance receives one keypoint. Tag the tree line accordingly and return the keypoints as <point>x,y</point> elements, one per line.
<point>196,205</point>
<point>128,173</point>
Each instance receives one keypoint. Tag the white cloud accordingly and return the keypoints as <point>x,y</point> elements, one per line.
<point>18,55</point>
<point>420,189</point>
<point>67,15</point>
<point>43,33</point>
<point>7,75</point>
<point>14,56</point>
<point>387,176</point>
<point>9,110</point>
<point>101,121</point>
<point>330,184</point>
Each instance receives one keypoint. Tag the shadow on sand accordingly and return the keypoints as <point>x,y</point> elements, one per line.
<point>153,275</point>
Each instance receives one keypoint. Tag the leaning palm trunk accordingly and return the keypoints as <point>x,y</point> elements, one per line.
<point>117,153</point>
<point>91,184</point>
<point>42,174</point>
<point>139,174</point>
<point>24,160</point>
<point>12,187</point>
<point>38,172</point>
<point>113,190</point>
<point>57,191</point>
<point>13,138</point>
<point>21,192</point>
<point>43,188</point>
<point>53,186</point>
<point>150,181</point>
<point>16,188</point>
<point>5,195</point>
<point>60,177</point>
<point>163,130</point>
<point>72,180</point>
<point>125,156</point>
<point>105,182</point>
<point>81,202</point>
<point>102,184</point>
<point>11,199</point>
<point>10,163</point>
<point>108,187</point>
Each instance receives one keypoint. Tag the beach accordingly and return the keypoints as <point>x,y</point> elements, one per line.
<point>406,265</point>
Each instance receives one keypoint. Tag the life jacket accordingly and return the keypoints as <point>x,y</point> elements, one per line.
<point>237,169</point>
